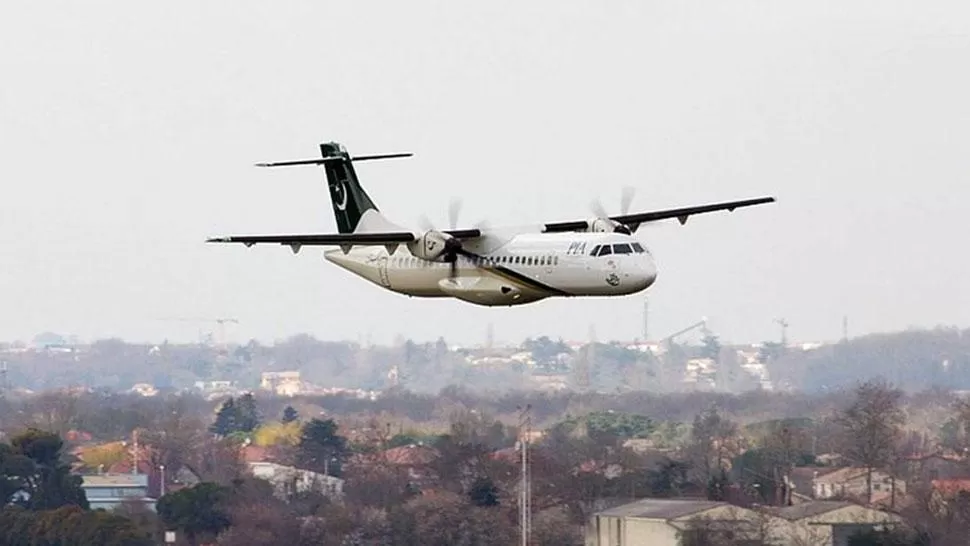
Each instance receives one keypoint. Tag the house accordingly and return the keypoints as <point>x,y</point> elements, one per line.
<point>662,522</point>
<point>286,383</point>
<point>288,480</point>
<point>850,482</point>
<point>111,491</point>
<point>825,523</point>
<point>947,496</point>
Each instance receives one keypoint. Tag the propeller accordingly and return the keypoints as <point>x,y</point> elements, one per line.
<point>453,247</point>
<point>626,199</point>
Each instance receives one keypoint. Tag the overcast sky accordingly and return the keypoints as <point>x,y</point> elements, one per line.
<point>128,131</point>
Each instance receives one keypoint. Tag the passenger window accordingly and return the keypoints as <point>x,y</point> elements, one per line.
<point>605,250</point>
<point>622,249</point>
<point>638,248</point>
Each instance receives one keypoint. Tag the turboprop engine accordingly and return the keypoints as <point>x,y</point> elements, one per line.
<point>605,225</point>
<point>434,245</point>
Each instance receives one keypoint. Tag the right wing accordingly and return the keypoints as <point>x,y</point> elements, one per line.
<point>634,220</point>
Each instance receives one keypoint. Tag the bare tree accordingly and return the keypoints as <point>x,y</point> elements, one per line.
<point>871,426</point>
<point>714,442</point>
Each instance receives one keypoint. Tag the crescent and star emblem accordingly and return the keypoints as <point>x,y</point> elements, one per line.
<point>340,195</point>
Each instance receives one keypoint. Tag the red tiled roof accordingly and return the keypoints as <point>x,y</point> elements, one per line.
<point>124,467</point>
<point>951,487</point>
<point>509,455</point>
<point>256,454</point>
<point>78,436</point>
<point>411,455</point>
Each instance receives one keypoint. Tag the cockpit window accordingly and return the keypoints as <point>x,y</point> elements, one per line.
<point>638,248</point>
<point>604,250</point>
<point>595,251</point>
<point>622,249</point>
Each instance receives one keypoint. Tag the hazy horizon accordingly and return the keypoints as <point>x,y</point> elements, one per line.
<point>130,132</point>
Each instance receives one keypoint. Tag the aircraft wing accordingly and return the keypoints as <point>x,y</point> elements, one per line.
<point>681,214</point>
<point>338,239</point>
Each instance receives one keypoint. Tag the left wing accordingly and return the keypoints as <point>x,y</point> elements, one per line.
<point>338,239</point>
<point>681,214</point>
<point>315,239</point>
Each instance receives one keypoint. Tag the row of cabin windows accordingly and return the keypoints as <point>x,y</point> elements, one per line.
<point>618,248</point>
<point>411,261</point>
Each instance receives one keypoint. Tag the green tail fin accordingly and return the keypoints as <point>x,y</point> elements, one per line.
<point>349,200</point>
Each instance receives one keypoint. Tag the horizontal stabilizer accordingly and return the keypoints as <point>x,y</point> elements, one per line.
<point>322,160</point>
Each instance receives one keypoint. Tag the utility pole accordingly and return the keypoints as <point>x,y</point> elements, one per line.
<point>134,452</point>
<point>525,491</point>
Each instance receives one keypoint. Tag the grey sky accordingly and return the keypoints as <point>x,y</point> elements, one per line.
<point>128,131</point>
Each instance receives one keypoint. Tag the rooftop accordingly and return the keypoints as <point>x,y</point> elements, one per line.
<point>810,509</point>
<point>115,480</point>
<point>664,509</point>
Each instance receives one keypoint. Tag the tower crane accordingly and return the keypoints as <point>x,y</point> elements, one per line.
<point>221,341</point>
<point>784,331</point>
<point>702,324</point>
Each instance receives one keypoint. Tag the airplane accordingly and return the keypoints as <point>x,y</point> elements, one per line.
<point>593,257</point>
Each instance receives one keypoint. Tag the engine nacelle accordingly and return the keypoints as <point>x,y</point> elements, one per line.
<point>431,245</point>
<point>605,225</point>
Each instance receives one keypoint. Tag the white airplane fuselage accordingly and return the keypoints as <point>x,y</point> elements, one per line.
<point>512,270</point>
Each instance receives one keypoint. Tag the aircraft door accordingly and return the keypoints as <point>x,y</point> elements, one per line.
<point>382,272</point>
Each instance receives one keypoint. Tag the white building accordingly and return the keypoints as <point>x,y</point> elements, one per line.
<point>286,383</point>
<point>110,491</point>
<point>288,480</point>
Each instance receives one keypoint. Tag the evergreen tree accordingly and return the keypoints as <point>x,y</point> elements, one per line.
<point>321,449</point>
<point>199,511</point>
<point>34,464</point>
<point>483,493</point>
<point>227,420</point>
<point>289,414</point>
<point>248,414</point>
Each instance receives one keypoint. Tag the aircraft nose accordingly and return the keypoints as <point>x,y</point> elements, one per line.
<point>647,272</point>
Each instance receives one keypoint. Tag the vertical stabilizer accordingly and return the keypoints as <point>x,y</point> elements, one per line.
<point>349,199</point>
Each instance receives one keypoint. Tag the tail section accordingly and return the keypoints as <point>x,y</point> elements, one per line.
<point>350,201</point>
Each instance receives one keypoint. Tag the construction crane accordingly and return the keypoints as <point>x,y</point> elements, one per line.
<point>784,331</point>
<point>220,321</point>
<point>667,341</point>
